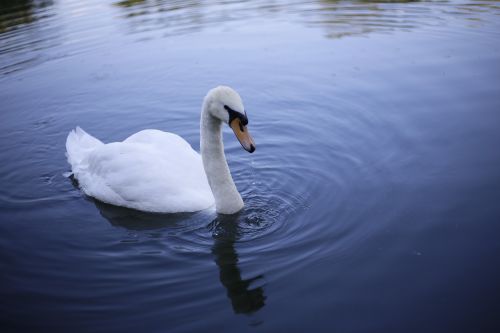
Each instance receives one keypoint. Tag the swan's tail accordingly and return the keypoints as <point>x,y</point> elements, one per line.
<point>78,145</point>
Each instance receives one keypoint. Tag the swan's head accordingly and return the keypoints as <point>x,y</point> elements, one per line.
<point>226,105</point>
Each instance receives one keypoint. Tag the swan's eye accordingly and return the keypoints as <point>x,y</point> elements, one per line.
<point>244,119</point>
<point>234,114</point>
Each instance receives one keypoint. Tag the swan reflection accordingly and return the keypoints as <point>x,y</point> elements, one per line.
<point>136,220</point>
<point>245,299</point>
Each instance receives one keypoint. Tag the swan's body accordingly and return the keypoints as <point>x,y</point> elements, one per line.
<point>151,171</point>
<point>157,171</point>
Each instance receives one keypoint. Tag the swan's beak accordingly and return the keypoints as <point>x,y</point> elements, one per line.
<point>241,132</point>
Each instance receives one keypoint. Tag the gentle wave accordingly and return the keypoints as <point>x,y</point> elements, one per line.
<point>39,33</point>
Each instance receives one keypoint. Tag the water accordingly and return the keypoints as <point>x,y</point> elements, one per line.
<point>371,201</point>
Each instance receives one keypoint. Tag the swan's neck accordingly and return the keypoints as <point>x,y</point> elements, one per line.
<point>227,197</point>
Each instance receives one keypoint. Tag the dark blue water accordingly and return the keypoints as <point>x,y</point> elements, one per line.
<point>372,201</point>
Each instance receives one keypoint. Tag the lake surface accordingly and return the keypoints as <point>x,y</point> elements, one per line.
<point>372,201</point>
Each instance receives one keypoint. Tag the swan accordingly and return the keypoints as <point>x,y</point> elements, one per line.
<point>159,172</point>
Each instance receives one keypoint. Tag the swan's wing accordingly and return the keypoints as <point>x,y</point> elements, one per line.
<point>164,141</point>
<point>78,145</point>
<point>149,171</point>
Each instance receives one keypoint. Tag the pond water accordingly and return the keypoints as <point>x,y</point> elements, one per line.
<point>372,201</point>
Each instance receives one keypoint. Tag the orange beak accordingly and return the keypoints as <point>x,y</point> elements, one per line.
<point>243,135</point>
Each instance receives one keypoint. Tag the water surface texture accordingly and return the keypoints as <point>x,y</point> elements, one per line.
<point>372,201</point>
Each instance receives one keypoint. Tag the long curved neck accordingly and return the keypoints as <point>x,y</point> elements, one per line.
<point>227,197</point>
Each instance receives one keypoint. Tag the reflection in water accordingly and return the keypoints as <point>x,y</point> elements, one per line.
<point>338,18</point>
<point>173,17</point>
<point>31,31</point>
<point>137,220</point>
<point>243,299</point>
<point>25,33</point>
<point>225,232</point>
<point>129,3</point>
<point>16,12</point>
<point>347,18</point>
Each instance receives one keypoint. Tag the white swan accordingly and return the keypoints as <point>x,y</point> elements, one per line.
<point>157,171</point>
